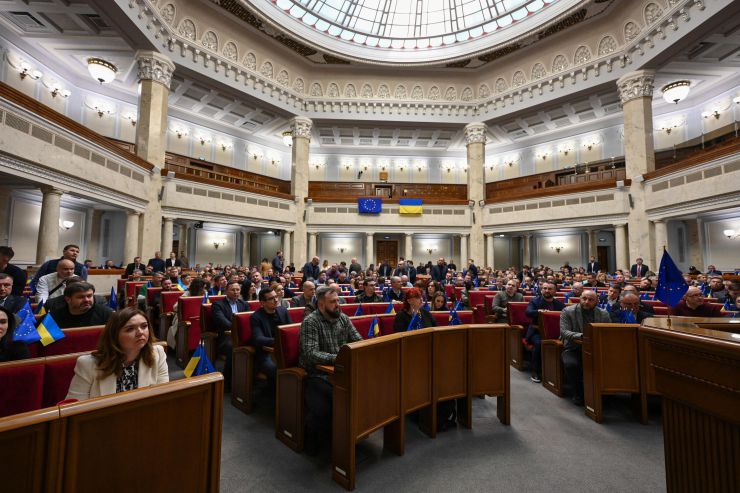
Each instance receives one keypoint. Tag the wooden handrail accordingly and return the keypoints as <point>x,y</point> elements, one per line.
<point>224,184</point>
<point>557,190</point>
<point>724,149</point>
<point>28,103</point>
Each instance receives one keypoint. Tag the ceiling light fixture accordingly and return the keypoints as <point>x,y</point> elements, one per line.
<point>676,91</point>
<point>288,138</point>
<point>102,71</point>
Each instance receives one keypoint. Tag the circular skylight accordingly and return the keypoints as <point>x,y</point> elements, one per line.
<point>410,25</point>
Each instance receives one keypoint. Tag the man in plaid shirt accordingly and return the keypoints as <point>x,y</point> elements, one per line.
<point>323,333</point>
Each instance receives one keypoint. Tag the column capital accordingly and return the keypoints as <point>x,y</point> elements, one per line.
<point>488,234</point>
<point>46,190</point>
<point>300,126</point>
<point>622,225</point>
<point>168,219</point>
<point>475,133</point>
<point>409,234</point>
<point>658,221</point>
<point>464,235</point>
<point>133,213</point>
<point>154,66</point>
<point>370,234</point>
<point>634,85</point>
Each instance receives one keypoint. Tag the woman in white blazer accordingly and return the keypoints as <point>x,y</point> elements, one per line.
<point>126,359</point>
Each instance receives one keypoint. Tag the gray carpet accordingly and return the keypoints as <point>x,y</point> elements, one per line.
<point>551,446</point>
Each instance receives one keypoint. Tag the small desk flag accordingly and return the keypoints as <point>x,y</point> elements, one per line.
<point>206,300</point>
<point>113,301</point>
<point>199,363</point>
<point>414,323</point>
<point>359,311</point>
<point>374,329</point>
<point>49,331</point>
<point>390,308</point>
<point>26,330</point>
<point>454,318</point>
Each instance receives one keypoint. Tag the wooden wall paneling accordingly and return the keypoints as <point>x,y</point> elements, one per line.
<point>488,366</point>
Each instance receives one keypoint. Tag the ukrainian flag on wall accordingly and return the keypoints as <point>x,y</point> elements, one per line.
<point>410,206</point>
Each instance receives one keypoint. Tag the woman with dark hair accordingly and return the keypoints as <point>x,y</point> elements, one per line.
<point>126,359</point>
<point>10,350</point>
<point>412,306</point>
<point>439,302</point>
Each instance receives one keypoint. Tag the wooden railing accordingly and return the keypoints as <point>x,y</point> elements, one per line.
<point>42,111</point>
<point>332,191</point>
<point>727,146</point>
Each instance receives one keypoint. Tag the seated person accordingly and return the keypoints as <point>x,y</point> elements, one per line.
<point>693,305</point>
<point>368,295</point>
<point>221,314</point>
<point>219,286</point>
<point>125,359</point>
<point>395,293</point>
<point>611,299</point>
<point>280,292</point>
<point>545,302</point>
<point>338,290</point>
<point>10,350</point>
<point>323,333</point>
<point>54,303</point>
<point>439,302</point>
<point>646,285</point>
<point>572,321</point>
<point>502,299</point>
<point>52,285</point>
<point>80,309</point>
<point>629,302</point>
<point>264,324</point>
<point>576,291</point>
<point>306,297</point>
<point>9,301</point>
<point>717,289</point>
<point>644,307</point>
<point>412,306</point>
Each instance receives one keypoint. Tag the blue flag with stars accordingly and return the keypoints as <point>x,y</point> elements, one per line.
<point>414,323</point>
<point>671,284</point>
<point>26,330</point>
<point>359,311</point>
<point>369,205</point>
<point>454,318</point>
<point>112,301</point>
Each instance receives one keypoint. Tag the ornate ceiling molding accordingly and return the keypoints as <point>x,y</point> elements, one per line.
<point>454,102</point>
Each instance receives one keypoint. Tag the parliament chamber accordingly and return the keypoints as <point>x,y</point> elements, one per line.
<point>537,289</point>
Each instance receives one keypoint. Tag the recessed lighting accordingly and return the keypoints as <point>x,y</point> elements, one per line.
<point>387,237</point>
<point>501,236</point>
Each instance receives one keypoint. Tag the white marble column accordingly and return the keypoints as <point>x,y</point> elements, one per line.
<point>167,232</point>
<point>300,128</point>
<point>694,239</point>
<point>183,239</point>
<point>489,251</point>
<point>370,250</point>
<point>620,247</point>
<point>131,241</point>
<point>636,95</point>
<point>475,139</point>
<point>593,243</point>
<point>312,249</point>
<point>154,75</point>
<point>47,245</point>
<point>286,248</point>
<point>246,248</point>
<point>93,242</point>
<point>408,249</point>
<point>6,194</point>
<point>526,250</point>
<point>463,252</point>
<point>661,241</point>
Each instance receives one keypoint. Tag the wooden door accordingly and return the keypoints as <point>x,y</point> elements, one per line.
<point>602,255</point>
<point>387,252</point>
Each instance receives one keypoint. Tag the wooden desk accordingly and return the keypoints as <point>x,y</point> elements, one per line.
<point>696,370</point>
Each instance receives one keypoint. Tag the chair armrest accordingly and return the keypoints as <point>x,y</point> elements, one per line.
<point>552,342</point>
<point>295,372</point>
<point>268,349</point>
<point>245,349</point>
<point>329,369</point>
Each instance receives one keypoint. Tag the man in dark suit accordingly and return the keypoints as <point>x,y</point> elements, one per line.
<point>264,324</point>
<point>277,263</point>
<point>440,270</point>
<point>18,274</point>
<point>593,266</point>
<point>472,270</point>
<point>639,269</point>
<point>412,271</point>
<point>311,270</point>
<point>545,302</point>
<point>221,315</point>
<point>395,293</point>
<point>135,265</point>
<point>156,263</point>
<point>384,270</point>
<point>401,269</point>
<point>629,302</point>
<point>8,300</point>
<point>173,261</point>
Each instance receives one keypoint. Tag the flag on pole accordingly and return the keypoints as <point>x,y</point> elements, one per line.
<point>454,318</point>
<point>671,284</point>
<point>26,330</point>
<point>40,309</point>
<point>390,308</point>
<point>112,301</point>
<point>726,307</point>
<point>206,300</point>
<point>49,331</point>
<point>374,330</point>
<point>199,363</point>
<point>414,323</point>
<point>458,306</point>
<point>359,311</point>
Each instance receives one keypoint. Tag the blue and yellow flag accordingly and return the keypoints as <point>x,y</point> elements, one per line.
<point>199,363</point>
<point>181,286</point>
<point>671,284</point>
<point>390,308</point>
<point>454,318</point>
<point>359,311</point>
<point>458,306</point>
<point>113,301</point>
<point>414,323</point>
<point>40,309</point>
<point>206,300</point>
<point>26,330</point>
<point>726,307</point>
<point>49,331</point>
<point>374,330</point>
<point>410,206</point>
<point>628,317</point>
<point>371,205</point>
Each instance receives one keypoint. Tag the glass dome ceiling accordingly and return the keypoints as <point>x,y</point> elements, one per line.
<point>413,30</point>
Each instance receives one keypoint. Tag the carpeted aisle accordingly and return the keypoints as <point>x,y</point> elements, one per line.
<point>551,446</point>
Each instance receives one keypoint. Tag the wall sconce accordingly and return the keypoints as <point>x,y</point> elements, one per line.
<point>274,160</point>
<point>481,202</point>
<point>731,234</point>
<point>66,225</point>
<point>341,249</point>
<point>180,132</point>
<point>27,71</point>
<point>255,153</point>
<point>204,140</point>
<point>287,138</point>
<point>218,243</point>
<point>543,155</point>
<point>224,146</point>
<point>130,116</point>
<point>347,166</point>
<point>557,248</point>
<point>430,250</point>
<point>707,114</point>
<point>56,89</point>
<point>464,168</point>
<point>591,143</point>
<point>565,149</point>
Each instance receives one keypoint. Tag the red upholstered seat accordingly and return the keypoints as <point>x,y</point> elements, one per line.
<point>478,297</point>
<point>168,300</point>
<point>132,290</point>
<point>152,293</point>
<point>243,333</point>
<point>362,324</point>
<point>660,310</point>
<point>57,377</point>
<point>289,341</point>
<point>443,318</point>
<point>386,323</point>
<point>21,387</point>
<point>550,325</point>
<point>75,340</point>
<point>653,302</point>
<point>574,300</point>
<point>254,305</point>
<point>518,313</point>
<point>206,311</point>
<point>188,308</point>
<point>296,314</point>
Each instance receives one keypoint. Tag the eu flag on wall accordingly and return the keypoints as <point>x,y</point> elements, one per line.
<point>369,205</point>
<point>671,284</point>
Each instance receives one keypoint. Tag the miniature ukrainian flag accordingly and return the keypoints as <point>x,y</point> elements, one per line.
<point>374,329</point>
<point>49,331</point>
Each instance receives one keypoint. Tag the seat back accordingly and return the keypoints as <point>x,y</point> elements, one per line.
<point>58,374</point>
<point>151,295</point>
<point>574,300</point>
<point>517,313</point>
<point>75,340</point>
<point>363,323</point>
<point>443,318</point>
<point>254,305</point>
<point>167,300</point>
<point>241,329</point>
<point>550,325</point>
<point>206,313</point>
<point>350,309</point>
<point>132,289</point>
<point>21,386</point>
<point>296,314</point>
<point>188,310</point>
<point>120,283</point>
<point>287,346</point>
<point>478,297</point>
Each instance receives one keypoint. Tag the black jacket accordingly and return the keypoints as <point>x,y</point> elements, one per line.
<point>593,267</point>
<point>13,303</point>
<point>130,268</point>
<point>262,330</point>
<point>439,272</point>
<point>19,278</point>
<point>310,271</point>
<point>221,314</point>
<point>403,319</point>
